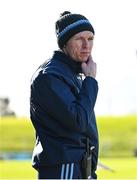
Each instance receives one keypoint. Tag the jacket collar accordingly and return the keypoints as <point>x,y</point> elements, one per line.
<point>75,66</point>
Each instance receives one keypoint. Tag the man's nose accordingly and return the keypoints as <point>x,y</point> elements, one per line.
<point>85,43</point>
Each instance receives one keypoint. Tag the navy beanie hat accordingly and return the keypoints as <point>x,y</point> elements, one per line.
<point>70,24</point>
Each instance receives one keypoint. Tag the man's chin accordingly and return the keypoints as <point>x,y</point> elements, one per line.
<point>84,59</point>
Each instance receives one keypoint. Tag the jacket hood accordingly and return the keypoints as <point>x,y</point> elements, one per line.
<point>75,66</point>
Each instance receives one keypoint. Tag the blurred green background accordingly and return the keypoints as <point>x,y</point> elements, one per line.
<point>117,157</point>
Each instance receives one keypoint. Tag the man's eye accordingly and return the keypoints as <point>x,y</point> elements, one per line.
<point>91,38</point>
<point>78,38</point>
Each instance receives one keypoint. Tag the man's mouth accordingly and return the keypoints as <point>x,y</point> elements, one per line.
<point>85,53</point>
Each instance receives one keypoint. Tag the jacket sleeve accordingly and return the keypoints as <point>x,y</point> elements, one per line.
<point>55,97</point>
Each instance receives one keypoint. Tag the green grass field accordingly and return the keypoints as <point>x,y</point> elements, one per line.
<point>117,135</point>
<point>16,134</point>
<point>118,147</point>
<point>123,168</point>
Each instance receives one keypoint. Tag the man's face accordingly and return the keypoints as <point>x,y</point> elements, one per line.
<point>79,46</point>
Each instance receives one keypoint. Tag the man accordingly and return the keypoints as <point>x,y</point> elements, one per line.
<point>62,104</point>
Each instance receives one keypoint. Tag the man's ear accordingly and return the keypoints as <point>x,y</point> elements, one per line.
<point>64,49</point>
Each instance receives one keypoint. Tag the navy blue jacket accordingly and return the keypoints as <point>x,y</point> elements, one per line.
<point>62,112</point>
